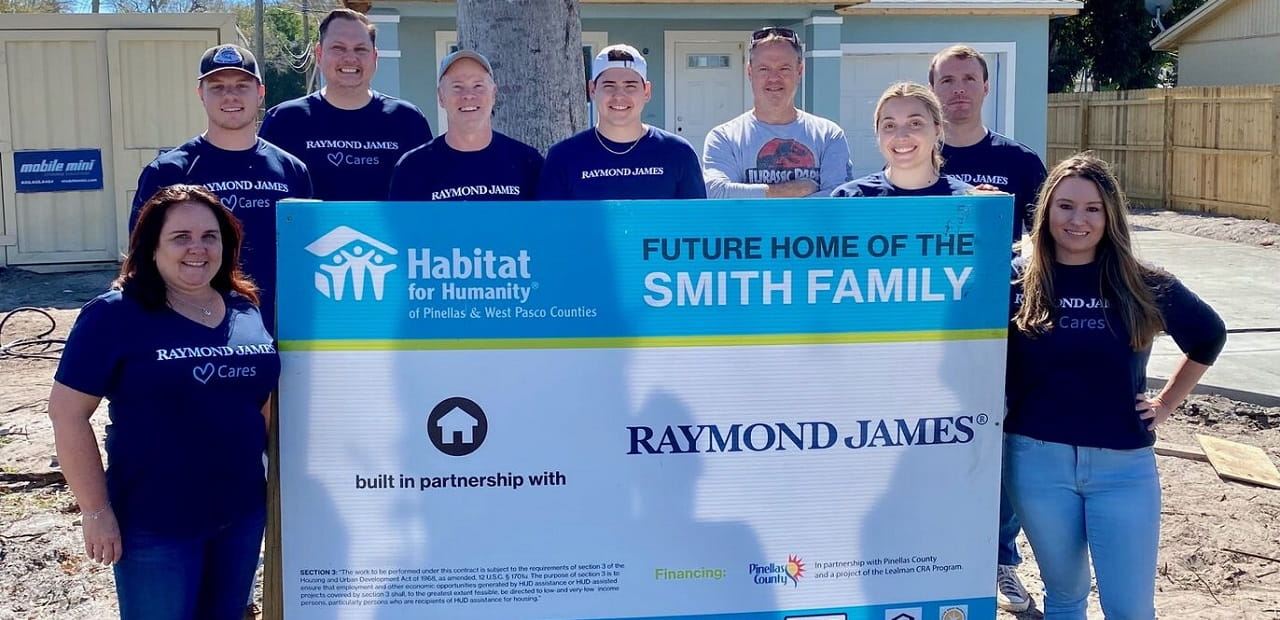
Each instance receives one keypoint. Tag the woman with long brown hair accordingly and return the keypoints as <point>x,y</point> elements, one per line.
<point>178,349</point>
<point>1079,465</point>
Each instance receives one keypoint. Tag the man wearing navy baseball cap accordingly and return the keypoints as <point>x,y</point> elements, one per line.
<point>621,157</point>
<point>247,173</point>
<point>470,161</point>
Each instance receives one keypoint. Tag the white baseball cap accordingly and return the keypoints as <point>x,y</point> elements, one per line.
<point>619,56</point>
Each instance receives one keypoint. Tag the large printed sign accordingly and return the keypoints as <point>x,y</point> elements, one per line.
<point>738,410</point>
<point>57,171</point>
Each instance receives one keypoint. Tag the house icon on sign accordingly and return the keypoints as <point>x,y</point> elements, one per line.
<point>457,427</point>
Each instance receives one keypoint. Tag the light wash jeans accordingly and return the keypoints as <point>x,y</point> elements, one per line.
<point>1077,502</point>
<point>1007,543</point>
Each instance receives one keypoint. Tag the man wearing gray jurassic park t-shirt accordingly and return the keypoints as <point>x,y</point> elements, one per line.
<point>775,150</point>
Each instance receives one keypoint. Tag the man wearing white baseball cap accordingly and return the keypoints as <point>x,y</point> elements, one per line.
<point>621,157</point>
<point>470,161</point>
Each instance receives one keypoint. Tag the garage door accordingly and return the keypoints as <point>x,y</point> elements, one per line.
<point>864,76</point>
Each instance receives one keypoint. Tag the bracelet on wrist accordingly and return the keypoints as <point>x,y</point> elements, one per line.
<point>96,514</point>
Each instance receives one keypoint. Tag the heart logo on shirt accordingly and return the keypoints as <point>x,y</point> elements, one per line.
<point>203,373</point>
<point>336,158</point>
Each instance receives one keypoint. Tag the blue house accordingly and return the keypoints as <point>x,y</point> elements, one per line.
<point>697,52</point>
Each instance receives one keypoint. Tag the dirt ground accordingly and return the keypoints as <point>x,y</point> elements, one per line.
<point>1220,541</point>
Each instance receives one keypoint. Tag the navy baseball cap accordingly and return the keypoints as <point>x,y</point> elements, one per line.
<point>228,56</point>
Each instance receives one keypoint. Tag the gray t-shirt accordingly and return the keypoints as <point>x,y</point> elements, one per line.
<point>744,155</point>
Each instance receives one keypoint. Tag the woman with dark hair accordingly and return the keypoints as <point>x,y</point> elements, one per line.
<point>1079,465</point>
<point>178,349</point>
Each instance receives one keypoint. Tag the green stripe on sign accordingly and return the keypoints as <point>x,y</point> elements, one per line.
<point>641,342</point>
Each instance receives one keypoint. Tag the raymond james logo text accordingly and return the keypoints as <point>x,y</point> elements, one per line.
<point>781,436</point>
<point>226,186</point>
<point>368,145</point>
<point>979,179</point>
<point>467,191</point>
<point>654,171</point>
<point>182,353</point>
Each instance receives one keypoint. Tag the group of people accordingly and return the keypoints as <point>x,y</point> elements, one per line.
<point>181,346</point>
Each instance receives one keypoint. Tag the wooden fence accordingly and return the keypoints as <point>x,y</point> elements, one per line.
<point>1214,149</point>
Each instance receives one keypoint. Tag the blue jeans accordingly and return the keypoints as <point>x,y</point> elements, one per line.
<point>1077,502</point>
<point>196,577</point>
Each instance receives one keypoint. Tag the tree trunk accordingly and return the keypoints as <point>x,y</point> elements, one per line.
<point>535,47</point>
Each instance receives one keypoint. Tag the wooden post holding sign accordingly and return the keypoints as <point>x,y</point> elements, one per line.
<point>642,409</point>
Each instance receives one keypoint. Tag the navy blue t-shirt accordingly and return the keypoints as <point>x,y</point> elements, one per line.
<point>1077,383</point>
<point>877,184</point>
<point>186,433</point>
<point>249,183</point>
<point>505,170</point>
<point>1000,161</point>
<point>660,165</point>
<point>350,152</point>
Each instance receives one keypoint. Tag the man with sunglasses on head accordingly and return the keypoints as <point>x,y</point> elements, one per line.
<point>621,158</point>
<point>471,161</point>
<point>775,150</point>
<point>247,173</point>
<point>349,135</point>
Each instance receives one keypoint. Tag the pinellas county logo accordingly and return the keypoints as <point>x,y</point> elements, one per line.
<point>349,255</point>
<point>772,573</point>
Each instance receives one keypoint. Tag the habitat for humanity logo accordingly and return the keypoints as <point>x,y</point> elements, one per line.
<point>778,574</point>
<point>349,254</point>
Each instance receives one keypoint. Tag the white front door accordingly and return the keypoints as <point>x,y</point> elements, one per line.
<point>709,81</point>
<point>864,77</point>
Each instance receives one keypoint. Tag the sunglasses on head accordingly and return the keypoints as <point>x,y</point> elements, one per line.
<point>774,31</point>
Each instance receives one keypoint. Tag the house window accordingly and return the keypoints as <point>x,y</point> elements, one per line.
<point>708,61</point>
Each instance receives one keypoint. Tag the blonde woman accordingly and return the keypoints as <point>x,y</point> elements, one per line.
<point>1079,466</point>
<point>909,132</point>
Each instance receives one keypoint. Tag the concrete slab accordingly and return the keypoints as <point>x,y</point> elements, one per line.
<point>1242,283</point>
